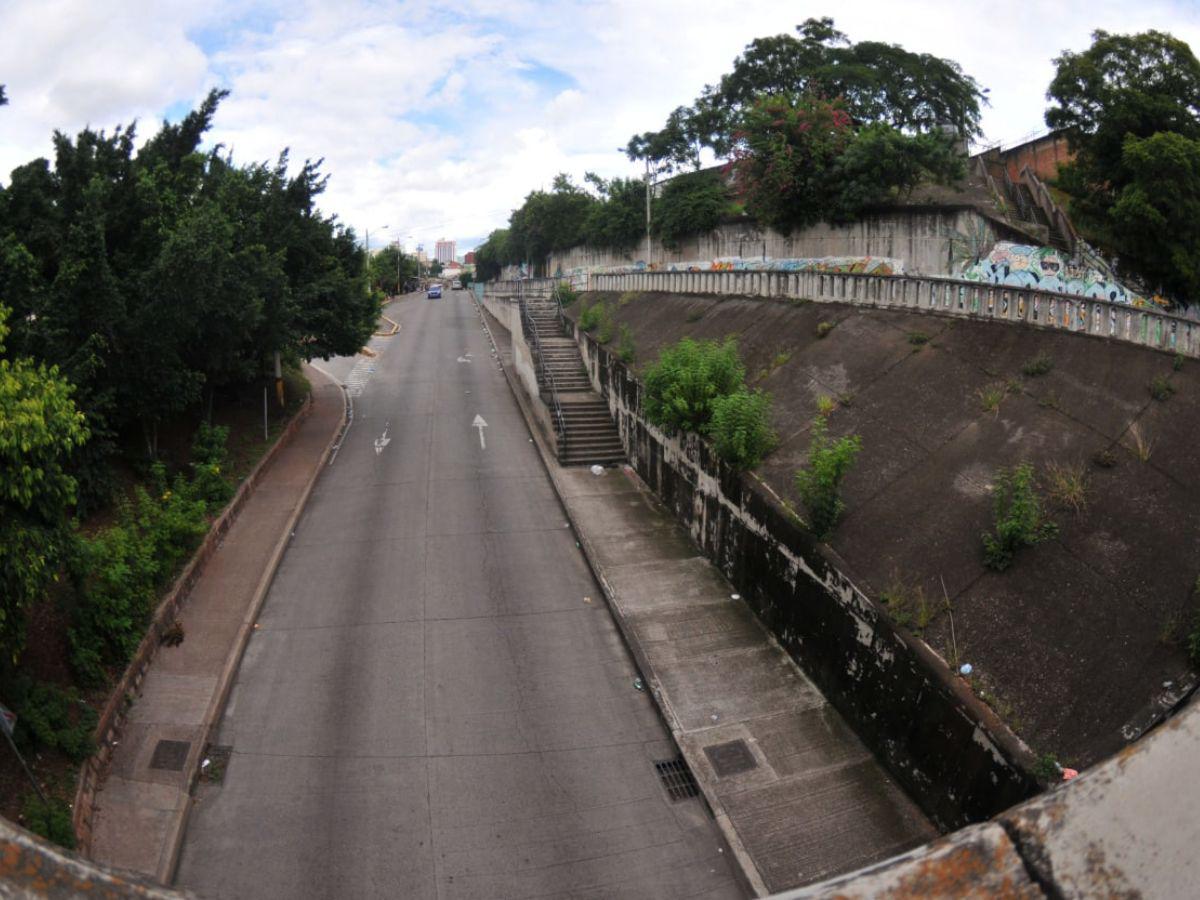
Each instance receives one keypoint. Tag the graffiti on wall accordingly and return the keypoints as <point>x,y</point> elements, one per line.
<point>1047,269</point>
<point>862,265</point>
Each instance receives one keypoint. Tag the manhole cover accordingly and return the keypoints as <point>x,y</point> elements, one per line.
<point>677,778</point>
<point>730,758</point>
<point>170,755</point>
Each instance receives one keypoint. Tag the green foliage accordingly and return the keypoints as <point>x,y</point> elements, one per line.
<point>1129,106</point>
<point>819,483</point>
<point>740,428</point>
<point>1039,365</point>
<point>823,329</point>
<point>566,293</point>
<point>464,279</point>
<point>918,338</point>
<point>691,203</point>
<point>51,820</point>
<point>548,221</point>
<point>1161,388</point>
<point>1019,518</point>
<point>50,717</point>
<point>626,350</point>
<point>682,385</point>
<point>607,327</point>
<point>119,572</point>
<point>878,83</point>
<point>800,159</point>
<point>390,270</point>
<point>591,316</point>
<point>39,429</point>
<point>209,459</point>
<point>1177,363</point>
<point>492,255</point>
<point>618,220</point>
<point>1047,768</point>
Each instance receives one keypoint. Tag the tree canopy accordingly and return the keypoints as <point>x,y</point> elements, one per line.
<point>1130,108</point>
<point>874,82</point>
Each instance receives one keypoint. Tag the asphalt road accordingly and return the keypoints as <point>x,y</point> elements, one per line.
<point>437,702</point>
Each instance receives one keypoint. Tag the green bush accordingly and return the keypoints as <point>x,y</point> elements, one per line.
<point>209,459</point>
<point>625,346</point>
<point>1161,388</point>
<point>685,380</point>
<point>1039,365</point>
<point>566,293</point>
<point>50,717</point>
<point>593,315</point>
<point>607,329</point>
<point>1020,521</point>
<point>741,428</point>
<point>819,483</point>
<point>51,820</point>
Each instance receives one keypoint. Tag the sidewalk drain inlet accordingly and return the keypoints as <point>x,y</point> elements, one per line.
<point>730,758</point>
<point>170,755</point>
<point>677,778</point>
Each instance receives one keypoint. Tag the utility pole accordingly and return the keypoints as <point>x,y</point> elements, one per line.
<point>647,212</point>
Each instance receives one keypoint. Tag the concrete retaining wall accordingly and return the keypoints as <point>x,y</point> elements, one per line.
<point>923,238</point>
<point>949,750</point>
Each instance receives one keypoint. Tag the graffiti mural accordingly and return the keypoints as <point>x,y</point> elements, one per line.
<point>1047,269</point>
<point>863,265</point>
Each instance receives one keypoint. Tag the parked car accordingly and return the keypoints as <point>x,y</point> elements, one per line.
<point>435,292</point>
<point>456,285</point>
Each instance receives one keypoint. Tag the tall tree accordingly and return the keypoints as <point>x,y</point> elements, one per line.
<point>1130,108</point>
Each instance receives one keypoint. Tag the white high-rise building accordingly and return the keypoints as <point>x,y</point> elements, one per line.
<point>445,251</point>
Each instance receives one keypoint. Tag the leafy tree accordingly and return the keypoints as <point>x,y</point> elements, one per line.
<point>435,267</point>
<point>690,203</point>
<point>390,269</point>
<point>875,82</point>
<point>39,429</point>
<point>549,221</point>
<point>741,428</point>
<point>492,255</point>
<point>1130,108</point>
<point>618,220</point>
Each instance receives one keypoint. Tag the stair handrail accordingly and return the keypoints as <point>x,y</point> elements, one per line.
<point>560,312</point>
<point>1061,221</point>
<point>529,327</point>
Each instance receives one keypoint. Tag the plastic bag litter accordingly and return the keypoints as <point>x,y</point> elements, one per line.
<point>597,470</point>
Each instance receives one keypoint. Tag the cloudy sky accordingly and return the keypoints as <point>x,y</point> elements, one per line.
<point>435,119</point>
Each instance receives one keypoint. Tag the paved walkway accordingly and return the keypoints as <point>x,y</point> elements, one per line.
<point>142,805</point>
<point>796,793</point>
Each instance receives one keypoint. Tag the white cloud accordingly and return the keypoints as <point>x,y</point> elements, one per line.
<point>437,119</point>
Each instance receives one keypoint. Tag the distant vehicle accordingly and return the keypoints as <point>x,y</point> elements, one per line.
<point>435,292</point>
<point>456,285</point>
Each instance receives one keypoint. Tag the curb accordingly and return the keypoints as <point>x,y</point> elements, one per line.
<point>178,827</point>
<point>752,879</point>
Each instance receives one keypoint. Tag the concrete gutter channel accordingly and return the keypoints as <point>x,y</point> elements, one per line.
<point>796,795</point>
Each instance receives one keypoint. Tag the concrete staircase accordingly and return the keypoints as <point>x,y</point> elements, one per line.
<point>590,435</point>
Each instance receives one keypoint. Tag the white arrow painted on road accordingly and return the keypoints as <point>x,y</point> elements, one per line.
<point>465,359</point>
<point>480,424</point>
<point>383,440</point>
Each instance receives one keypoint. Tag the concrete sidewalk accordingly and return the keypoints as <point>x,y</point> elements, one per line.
<point>142,806</point>
<point>796,794</point>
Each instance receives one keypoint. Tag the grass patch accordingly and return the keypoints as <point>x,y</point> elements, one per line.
<point>1049,401</point>
<point>907,604</point>
<point>990,396</point>
<point>823,329</point>
<point>826,404</point>
<point>1161,388</point>
<point>626,350</point>
<point>592,316</point>
<point>1177,363</point>
<point>1019,519</point>
<point>1140,443</point>
<point>1104,458</point>
<point>1039,365</point>
<point>626,298</point>
<point>918,338</point>
<point>1067,485</point>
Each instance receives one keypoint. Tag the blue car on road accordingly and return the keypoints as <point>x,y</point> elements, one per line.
<point>435,292</point>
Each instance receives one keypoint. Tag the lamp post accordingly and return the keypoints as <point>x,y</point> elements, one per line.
<point>367,241</point>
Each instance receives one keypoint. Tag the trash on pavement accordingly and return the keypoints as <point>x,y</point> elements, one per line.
<point>597,470</point>
<point>639,685</point>
<point>966,669</point>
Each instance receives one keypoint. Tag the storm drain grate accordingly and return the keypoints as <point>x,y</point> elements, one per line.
<point>170,755</point>
<point>677,778</point>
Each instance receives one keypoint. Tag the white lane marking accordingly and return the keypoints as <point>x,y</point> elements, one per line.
<point>480,424</point>
<point>357,380</point>
<point>383,440</point>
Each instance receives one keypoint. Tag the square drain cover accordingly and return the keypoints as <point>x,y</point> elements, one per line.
<point>731,758</point>
<point>170,755</point>
<point>677,778</point>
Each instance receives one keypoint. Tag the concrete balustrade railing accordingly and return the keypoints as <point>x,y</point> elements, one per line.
<point>527,287</point>
<point>939,296</point>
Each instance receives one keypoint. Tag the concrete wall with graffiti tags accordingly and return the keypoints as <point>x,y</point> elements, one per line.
<point>917,241</point>
<point>1048,269</point>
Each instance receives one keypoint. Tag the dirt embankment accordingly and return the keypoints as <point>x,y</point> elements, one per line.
<point>1083,631</point>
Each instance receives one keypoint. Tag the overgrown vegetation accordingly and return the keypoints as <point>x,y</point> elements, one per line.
<point>907,604</point>
<point>992,395</point>
<point>741,428</point>
<point>823,329</point>
<point>1039,365</point>
<point>1067,485</point>
<point>592,316</point>
<point>51,820</point>
<point>1019,518</point>
<point>819,483</point>
<point>1161,388</point>
<point>686,379</point>
<point>918,338</point>
<point>626,351</point>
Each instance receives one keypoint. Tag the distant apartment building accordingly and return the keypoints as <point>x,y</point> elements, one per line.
<point>445,251</point>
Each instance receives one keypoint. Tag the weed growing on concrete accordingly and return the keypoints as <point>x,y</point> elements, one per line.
<point>741,428</point>
<point>907,604</point>
<point>781,359</point>
<point>1000,706</point>
<point>625,346</point>
<point>819,483</point>
<point>826,404</point>
<point>1039,365</point>
<point>626,298</point>
<point>1047,768</point>
<point>1141,443</point>
<point>694,316</point>
<point>1049,401</point>
<point>607,329</point>
<point>799,301</point>
<point>1177,364</point>
<point>685,380</point>
<point>1019,519</point>
<point>1067,485</point>
<point>593,315</point>
<point>1104,458</point>
<point>846,399</point>
<point>918,338</point>
<point>823,329</point>
<point>991,396</point>
<point>1161,388</point>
